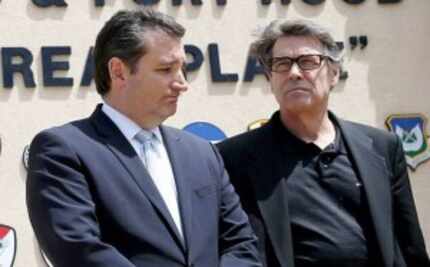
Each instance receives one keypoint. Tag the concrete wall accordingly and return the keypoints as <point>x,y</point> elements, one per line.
<point>389,76</point>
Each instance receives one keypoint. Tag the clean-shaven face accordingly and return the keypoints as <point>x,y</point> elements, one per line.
<point>299,90</point>
<point>153,90</point>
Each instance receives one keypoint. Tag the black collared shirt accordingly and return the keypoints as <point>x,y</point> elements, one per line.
<point>329,215</point>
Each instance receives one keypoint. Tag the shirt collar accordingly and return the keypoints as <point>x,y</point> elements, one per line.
<point>127,127</point>
<point>290,141</point>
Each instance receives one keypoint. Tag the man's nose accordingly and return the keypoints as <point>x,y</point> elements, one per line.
<point>295,72</point>
<point>180,82</point>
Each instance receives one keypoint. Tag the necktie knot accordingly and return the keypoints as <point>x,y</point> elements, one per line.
<point>149,146</point>
<point>144,137</point>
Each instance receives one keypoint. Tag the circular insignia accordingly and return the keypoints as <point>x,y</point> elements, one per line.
<point>25,154</point>
<point>7,245</point>
<point>206,131</point>
<point>256,124</point>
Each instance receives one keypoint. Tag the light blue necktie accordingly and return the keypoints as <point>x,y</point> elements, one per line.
<point>147,140</point>
<point>155,162</point>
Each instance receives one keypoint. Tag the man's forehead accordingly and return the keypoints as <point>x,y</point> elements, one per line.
<point>297,44</point>
<point>173,55</point>
<point>165,47</point>
<point>173,58</point>
<point>152,36</point>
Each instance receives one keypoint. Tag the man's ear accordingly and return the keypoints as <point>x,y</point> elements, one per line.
<point>118,70</point>
<point>335,74</point>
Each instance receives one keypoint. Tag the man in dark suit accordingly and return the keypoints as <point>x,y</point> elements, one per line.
<point>320,191</point>
<point>120,189</point>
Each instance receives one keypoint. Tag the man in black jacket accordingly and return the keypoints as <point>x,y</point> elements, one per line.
<point>321,191</point>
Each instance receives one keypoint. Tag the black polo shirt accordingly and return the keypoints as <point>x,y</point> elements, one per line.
<point>329,215</point>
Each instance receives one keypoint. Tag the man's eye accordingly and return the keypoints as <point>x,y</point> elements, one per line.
<point>307,62</point>
<point>164,69</point>
<point>283,63</point>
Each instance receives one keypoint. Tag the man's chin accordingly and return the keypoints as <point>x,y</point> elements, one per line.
<point>299,106</point>
<point>168,112</point>
<point>299,100</point>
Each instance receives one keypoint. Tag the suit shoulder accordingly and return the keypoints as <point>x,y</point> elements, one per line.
<point>381,137</point>
<point>186,136</point>
<point>241,142</point>
<point>61,133</point>
<point>66,127</point>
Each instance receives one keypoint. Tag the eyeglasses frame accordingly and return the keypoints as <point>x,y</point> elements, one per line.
<point>295,60</point>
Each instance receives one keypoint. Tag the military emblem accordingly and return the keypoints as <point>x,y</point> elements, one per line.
<point>7,246</point>
<point>411,128</point>
<point>256,124</point>
<point>206,131</point>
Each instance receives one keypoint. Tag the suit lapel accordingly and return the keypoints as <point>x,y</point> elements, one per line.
<point>372,170</point>
<point>265,167</point>
<point>121,148</point>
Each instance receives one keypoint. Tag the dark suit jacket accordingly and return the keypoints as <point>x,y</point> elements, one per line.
<point>257,166</point>
<point>92,203</point>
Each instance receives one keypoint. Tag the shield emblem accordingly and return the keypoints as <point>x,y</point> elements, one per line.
<point>7,245</point>
<point>410,128</point>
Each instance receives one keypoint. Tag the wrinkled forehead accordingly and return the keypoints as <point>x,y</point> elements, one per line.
<point>294,46</point>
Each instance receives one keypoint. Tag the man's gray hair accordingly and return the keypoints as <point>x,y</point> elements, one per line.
<point>262,47</point>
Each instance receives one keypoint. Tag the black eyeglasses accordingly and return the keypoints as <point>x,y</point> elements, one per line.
<point>305,62</point>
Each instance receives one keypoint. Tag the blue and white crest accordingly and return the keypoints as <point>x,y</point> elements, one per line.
<point>411,129</point>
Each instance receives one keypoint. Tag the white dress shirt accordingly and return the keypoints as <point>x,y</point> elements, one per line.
<point>159,168</point>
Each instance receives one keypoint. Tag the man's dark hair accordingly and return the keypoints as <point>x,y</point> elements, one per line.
<point>123,36</point>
